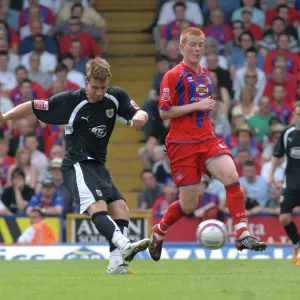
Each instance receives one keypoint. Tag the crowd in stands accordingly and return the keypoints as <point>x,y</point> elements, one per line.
<point>252,53</point>
<point>44,47</point>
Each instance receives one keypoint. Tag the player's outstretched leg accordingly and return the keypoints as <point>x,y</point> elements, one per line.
<point>108,228</point>
<point>222,168</point>
<point>291,231</point>
<point>187,204</point>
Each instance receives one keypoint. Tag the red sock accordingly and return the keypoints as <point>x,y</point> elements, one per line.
<point>172,215</point>
<point>236,206</point>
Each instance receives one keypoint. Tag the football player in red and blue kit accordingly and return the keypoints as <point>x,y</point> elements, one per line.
<point>193,147</point>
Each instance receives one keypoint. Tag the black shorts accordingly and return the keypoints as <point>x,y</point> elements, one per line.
<point>289,200</point>
<point>88,182</point>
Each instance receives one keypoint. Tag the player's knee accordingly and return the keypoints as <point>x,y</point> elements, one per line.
<point>231,177</point>
<point>285,219</point>
<point>189,205</point>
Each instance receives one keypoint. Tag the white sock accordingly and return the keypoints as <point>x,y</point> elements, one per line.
<point>244,233</point>
<point>115,257</point>
<point>118,239</point>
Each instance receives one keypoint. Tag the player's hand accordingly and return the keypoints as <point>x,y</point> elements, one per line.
<point>271,180</point>
<point>2,119</point>
<point>206,104</point>
<point>138,121</point>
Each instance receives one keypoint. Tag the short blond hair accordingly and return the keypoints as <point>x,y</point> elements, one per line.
<point>98,68</point>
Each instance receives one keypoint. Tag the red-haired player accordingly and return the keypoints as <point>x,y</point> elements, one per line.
<point>192,146</point>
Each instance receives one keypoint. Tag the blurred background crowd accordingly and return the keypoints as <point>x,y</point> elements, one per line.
<point>251,50</point>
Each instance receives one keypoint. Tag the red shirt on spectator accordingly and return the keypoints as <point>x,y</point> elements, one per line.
<point>285,112</point>
<point>291,58</point>
<point>4,165</point>
<point>51,135</point>
<point>89,46</point>
<point>171,31</point>
<point>160,205</point>
<point>37,93</point>
<point>14,37</point>
<point>222,34</point>
<point>256,31</point>
<point>289,86</point>
<point>69,86</point>
<point>293,16</point>
<point>45,13</point>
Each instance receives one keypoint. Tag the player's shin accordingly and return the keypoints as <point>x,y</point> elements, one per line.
<point>236,206</point>
<point>115,255</point>
<point>172,215</point>
<point>108,228</point>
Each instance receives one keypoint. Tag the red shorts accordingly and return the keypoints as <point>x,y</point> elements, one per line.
<point>188,160</point>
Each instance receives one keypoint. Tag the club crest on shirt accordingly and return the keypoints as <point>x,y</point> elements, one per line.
<point>202,89</point>
<point>110,113</point>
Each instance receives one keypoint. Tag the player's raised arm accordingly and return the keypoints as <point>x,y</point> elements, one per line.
<point>18,112</point>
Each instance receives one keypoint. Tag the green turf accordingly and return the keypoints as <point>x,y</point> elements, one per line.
<point>165,280</point>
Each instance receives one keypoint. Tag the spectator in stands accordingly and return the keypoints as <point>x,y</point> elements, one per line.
<point>38,158</point>
<point>279,171</point>
<point>79,59</point>
<point>73,76</point>
<point>256,185</point>
<point>247,18</point>
<point>57,151</point>
<point>293,14</point>
<point>172,30</point>
<point>238,55</point>
<point>4,210</point>
<point>273,136</point>
<point>35,26</point>
<point>192,13</point>
<point>27,44</point>
<point>173,53</point>
<point>152,190</point>
<point>243,155</point>
<point>211,46</point>
<point>240,76</point>
<point>7,83</point>
<point>273,204</point>
<point>207,7</point>
<point>61,73</point>
<point>17,196</point>
<point>222,74</point>
<point>90,15</point>
<point>221,95</point>
<point>162,171</point>
<point>13,60</point>
<point>90,47</point>
<point>43,12</point>
<point>10,15</point>
<point>11,36</point>
<point>55,171</point>
<point>77,11</point>
<point>48,200</point>
<point>283,50</point>
<point>48,61</point>
<point>39,233</point>
<point>279,77</point>
<point>283,12</point>
<point>24,163</point>
<point>252,206</point>
<point>55,5</point>
<point>218,30</point>
<point>220,122</point>
<point>161,204</point>
<point>245,106</point>
<point>207,204</point>
<point>244,138</point>
<point>284,110</point>
<point>258,17</point>
<point>259,123</point>
<point>237,30</point>
<point>271,42</point>
<point>5,160</point>
<point>42,78</point>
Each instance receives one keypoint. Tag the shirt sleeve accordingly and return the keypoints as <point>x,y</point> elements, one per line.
<point>33,202</point>
<point>279,150</point>
<point>127,107</point>
<point>27,236</point>
<point>55,110</point>
<point>167,91</point>
<point>57,202</point>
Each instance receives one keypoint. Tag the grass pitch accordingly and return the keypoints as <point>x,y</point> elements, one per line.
<point>165,280</point>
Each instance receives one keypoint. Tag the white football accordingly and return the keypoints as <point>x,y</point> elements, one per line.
<point>212,234</point>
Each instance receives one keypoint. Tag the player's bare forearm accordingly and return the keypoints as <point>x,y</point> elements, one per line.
<point>18,112</point>
<point>177,111</point>
<point>274,164</point>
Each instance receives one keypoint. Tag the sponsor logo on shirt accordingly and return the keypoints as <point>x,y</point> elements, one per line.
<point>134,104</point>
<point>165,96</point>
<point>295,152</point>
<point>41,104</point>
<point>99,131</point>
<point>202,89</point>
